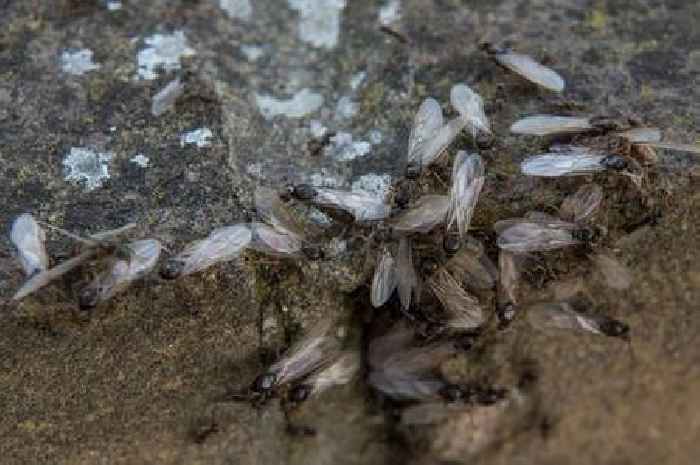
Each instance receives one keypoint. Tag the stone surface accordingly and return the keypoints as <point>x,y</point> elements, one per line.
<point>139,379</point>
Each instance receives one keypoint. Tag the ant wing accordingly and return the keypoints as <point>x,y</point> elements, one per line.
<point>463,310</point>
<point>222,244</point>
<point>385,279</point>
<point>583,204</point>
<point>566,161</point>
<point>470,106</point>
<point>29,240</point>
<point>531,236</point>
<point>276,213</point>
<point>407,279</point>
<point>427,122</point>
<point>467,181</point>
<point>528,68</point>
<point>428,212</point>
<point>550,125</point>
<point>43,278</point>
<point>314,350</point>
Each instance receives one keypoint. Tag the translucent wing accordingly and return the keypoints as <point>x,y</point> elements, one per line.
<point>275,213</point>
<point>407,279</point>
<point>549,125</point>
<point>426,123</point>
<point>166,97</point>
<point>418,359</point>
<point>509,277</point>
<point>407,387</point>
<point>314,350</point>
<point>690,148</point>
<point>362,206</point>
<point>568,161</point>
<point>615,274</point>
<point>43,278</point>
<point>121,273</point>
<point>29,240</point>
<point>430,151</point>
<point>542,220</point>
<point>110,234</point>
<point>476,270</point>
<point>542,217</point>
<point>97,239</point>
<point>531,70</point>
<point>341,371</point>
<point>222,244</point>
<point>467,181</point>
<point>463,310</point>
<point>560,315</point>
<point>385,279</point>
<point>530,236</point>
<point>583,204</point>
<point>428,212</point>
<point>641,135</point>
<point>269,240</point>
<point>88,242</point>
<point>470,107</point>
<point>400,336</point>
<point>407,373</point>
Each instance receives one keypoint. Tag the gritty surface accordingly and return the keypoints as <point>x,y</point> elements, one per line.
<point>140,379</point>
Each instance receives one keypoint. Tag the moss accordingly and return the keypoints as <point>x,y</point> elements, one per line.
<point>371,98</point>
<point>597,19</point>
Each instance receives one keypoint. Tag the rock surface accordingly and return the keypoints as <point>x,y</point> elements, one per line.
<point>140,379</point>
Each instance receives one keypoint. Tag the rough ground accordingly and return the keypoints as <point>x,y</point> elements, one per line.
<point>137,380</point>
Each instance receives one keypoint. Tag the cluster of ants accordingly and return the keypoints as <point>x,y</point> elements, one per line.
<point>400,368</point>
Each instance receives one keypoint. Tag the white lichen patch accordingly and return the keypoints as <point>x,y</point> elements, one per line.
<point>239,9</point>
<point>375,136</point>
<point>319,21</point>
<point>141,160</point>
<point>346,108</point>
<point>255,170</point>
<point>344,148</point>
<point>200,137</point>
<point>390,12</point>
<point>323,179</point>
<point>163,51</point>
<point>86,166</point>
<point>357,79</point>
<point>301,104</point>
<point>317,129</point>
<point>78,62</point>
<point>375,184</point>
<point>252,52</point>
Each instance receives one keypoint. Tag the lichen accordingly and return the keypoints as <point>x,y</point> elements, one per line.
<point>163,51</point>
<point>86,166</point>
<point>78,62</point>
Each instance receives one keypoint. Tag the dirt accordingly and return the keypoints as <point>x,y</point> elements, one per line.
<point>147,377</point>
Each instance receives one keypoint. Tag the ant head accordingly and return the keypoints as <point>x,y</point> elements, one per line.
<point>412,170</point>
<point>312,251</point>
<point>615,328</point>
<point>88,298</point>
<point>303,192</point>
<point>614,162</point>
<point>172,269</point>
<point>452,393</point>
<point>451,243</point>
<point>263,383</point>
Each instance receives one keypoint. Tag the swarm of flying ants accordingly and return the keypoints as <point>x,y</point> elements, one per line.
<point>398,366</point>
